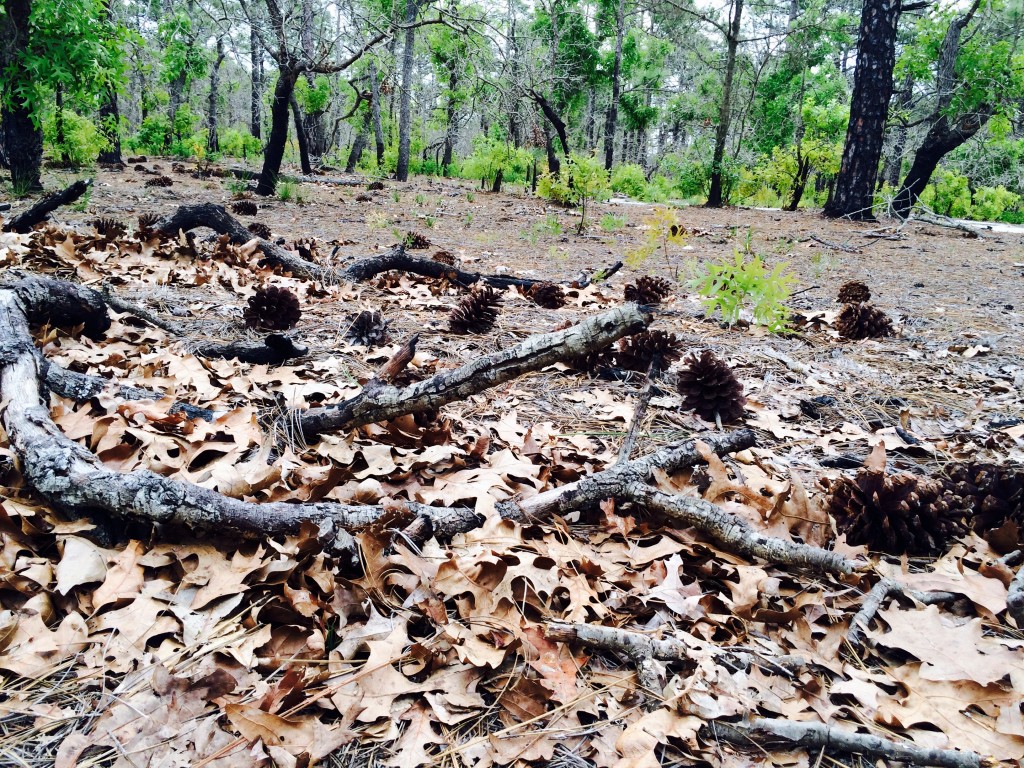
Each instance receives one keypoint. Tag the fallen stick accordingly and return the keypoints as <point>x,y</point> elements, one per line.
<point>1015,598</point>
<point>832,739</point>
<point>873,602</point>
<point>383,402</point>
<point>41,211</point>
<point>215,217</point>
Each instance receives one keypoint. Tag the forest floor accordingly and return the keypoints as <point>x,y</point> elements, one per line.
<point>118,649</point>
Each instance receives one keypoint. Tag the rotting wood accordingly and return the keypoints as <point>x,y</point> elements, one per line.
<point>757,731</point>
<point>41,210</point>
<point>215,217</point>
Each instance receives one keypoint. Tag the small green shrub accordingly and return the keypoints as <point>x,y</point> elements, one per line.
<point>991,202</point>
<point>661,230</point>
<point>581,181</point>
<point>729,287</point>
<point>152,135</point>
<point>629,180</point>
<point>491,155</point>
<point>612,223</point>
<point>82,140</point>
<point>236,143</point>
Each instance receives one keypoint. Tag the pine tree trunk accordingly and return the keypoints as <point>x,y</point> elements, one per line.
<point>212,141</point>
<point>451,124</point>
<point>715,197</point>
<point>405,107</point>
<point>22,138</point>
<point>110,126</point>
<point>300,137</point>
<point>256,97</point>
<point>869,105</point>
<point>274,152</point>
<point>356,153</point>
<point>611,118</point>
<point>378,128</point>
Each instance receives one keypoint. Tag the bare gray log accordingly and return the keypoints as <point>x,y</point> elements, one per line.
<point>382,402</point>
<point>833,739</point>
<point>41,211</point>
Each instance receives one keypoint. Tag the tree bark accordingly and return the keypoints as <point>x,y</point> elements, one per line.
<point>256,95</point>
<point>715,192</point>
<point>405,105</point>
<point>274,152</point>
<point>110,127</point>
<point>22,137</point>
<point>893,165</point>
<point>212,141</point>
<point>869,104</point>
<point>611,118</point>
<point>300,136</point>
<point>358,145</point>
<point>378,128</point>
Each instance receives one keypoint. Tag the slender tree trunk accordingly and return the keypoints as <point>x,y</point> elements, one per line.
<point>312,122</point>
<point>869,104</point>
<point>212,141</point>
<point>58,122</point>
<point>890,173</point>
<point>378,128</point>
<point>300,136</point>
<point>274,152</point>
<point>611,118</point>
<point>451,122</point>
<point>22,138</point>
<point>356,153</point>
<point>256,97</point>
<point>110,115</point>
<point>725,110</point>
<point>405,107</point>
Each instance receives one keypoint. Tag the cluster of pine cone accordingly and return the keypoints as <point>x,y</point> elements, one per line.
<point>858,319</point>
<point>907,514</point>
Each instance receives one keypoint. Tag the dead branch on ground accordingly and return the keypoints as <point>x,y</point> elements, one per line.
<point>874,601</point>
<point>41,211</point>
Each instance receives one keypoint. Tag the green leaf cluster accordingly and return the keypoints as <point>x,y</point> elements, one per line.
<point>729,287</point>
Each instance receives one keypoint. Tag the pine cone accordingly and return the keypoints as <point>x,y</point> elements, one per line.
<point>108,228</point>
<point>363,198</point>
<point>547,295</point>
<point>709,387</point>
<point>375,186</point>
<point>639,351</point>
<point>368,329</point>
<point>245,207</point>
<point>854,292</point>
<point>261,230</point>
<point>140,168</point>
<point>444,257</point>
<point>273,309</point>
<point>993,495</point>
<point>863,321</point>
<point>160,181</point>
<point>597,363</point>
<point>648,290</point>
<point>147,221</point>
<point>477,312</point>
<point>898,514</point>
<point>414,241</point>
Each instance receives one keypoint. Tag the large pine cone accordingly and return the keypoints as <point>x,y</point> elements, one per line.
<point>368,329</point>
<point>709,387</point>
<point>649,350</point>
<point>648,290</point>
<point>854,292</point>
<point>547,295</point>
<point>414,241</point>
<point>863,321</point>
<point>261,230</point>
<point>444,257</point>
<point>994,497</point>
<point>900,514</point>
<point>375,186</point>
<point>477,312</point>
<point>273,309</point>
<point>146,223</point>
<point>245,207</point>
<point>160,181</point>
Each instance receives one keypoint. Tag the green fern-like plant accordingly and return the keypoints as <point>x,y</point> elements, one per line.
<point>731,286</point>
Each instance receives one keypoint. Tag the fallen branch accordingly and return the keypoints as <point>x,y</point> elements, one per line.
<point>247,175</point>
<point>1015,598</point>
<point>383,402</point>
<point>874,601</point>
<point>215,217</point>
<point>832,739</point>
<point>41,211</point>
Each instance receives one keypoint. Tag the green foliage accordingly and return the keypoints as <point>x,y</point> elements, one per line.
<point>991,202</point>
<point>313,98</point>
<point>731,286</point>
<point>289,190</point>
<point>612,223</point>
<point>948,194</point>
<point>491,155</point>
<point>580,182</point>
<point>82,140</point>
<point>152,135</point>
<point>661,230</point>
<point>239,143</point>
<point>629,180</point>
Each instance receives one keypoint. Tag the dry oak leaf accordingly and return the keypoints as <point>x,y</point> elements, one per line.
<point>124,577</point>
<point>639,741</point>
<point>411,749</point>
<point>295,735</point>
<point>948,650</point>
<point>34,651</point>
<point>81,562</point>
<point>950,575</point>
<point>682,599</point>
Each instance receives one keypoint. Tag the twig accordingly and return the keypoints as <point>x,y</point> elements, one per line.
<point>638,416</point>
<point>820,736</point>
<point>873,602</point>
<point>837,246</point>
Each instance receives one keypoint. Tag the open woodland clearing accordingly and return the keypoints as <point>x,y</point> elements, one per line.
<point>612,630</point>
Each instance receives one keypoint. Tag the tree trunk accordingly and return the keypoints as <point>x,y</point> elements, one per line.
<point>358,145</point>
<point>274,152</point>
<point>22,138</point>
<point>60,138</point>
<point>556,122</point>
<point>212,142</point>
<point>940,140</point>
<point>378,128</point>
<point>803,169</point>
<point>869,105</point>
<point>611,118</point>
<point>451,123</point>
<point>890,173</point>
<point>725,110</point>
<point>256,97</point>
<point>300,137</point>
<point>405,107</point>
<point>110,126</point>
